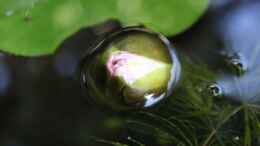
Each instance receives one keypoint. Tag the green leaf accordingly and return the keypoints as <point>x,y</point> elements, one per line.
<point>168,16</point>
<point>37,27</point>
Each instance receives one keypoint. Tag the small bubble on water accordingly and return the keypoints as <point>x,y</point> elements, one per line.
<point>215,90</point>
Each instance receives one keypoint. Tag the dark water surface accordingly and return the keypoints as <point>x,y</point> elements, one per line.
<point>41,100</point>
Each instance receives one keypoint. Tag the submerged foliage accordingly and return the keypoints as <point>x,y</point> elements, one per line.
<point>191,117</point>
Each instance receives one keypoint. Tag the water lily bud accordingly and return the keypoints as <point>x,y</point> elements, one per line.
<point>132,68</point>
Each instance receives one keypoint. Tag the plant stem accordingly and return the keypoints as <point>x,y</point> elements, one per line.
<point>214,131</point>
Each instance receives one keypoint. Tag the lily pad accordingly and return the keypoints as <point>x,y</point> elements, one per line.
<point>37,27</point>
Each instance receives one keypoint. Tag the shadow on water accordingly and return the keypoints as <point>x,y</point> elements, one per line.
<point>44,104</point>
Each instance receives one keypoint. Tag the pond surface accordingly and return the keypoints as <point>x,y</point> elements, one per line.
<point>43,103</point>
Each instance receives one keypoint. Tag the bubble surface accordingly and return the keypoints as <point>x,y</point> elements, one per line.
<point>132,68</point>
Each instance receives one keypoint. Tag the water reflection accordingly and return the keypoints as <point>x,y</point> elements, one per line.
<point>237,30</point>
<point>5,76</point>
<point>132,68</point>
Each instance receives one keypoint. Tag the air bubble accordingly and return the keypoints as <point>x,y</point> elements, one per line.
<point>131,69</point>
